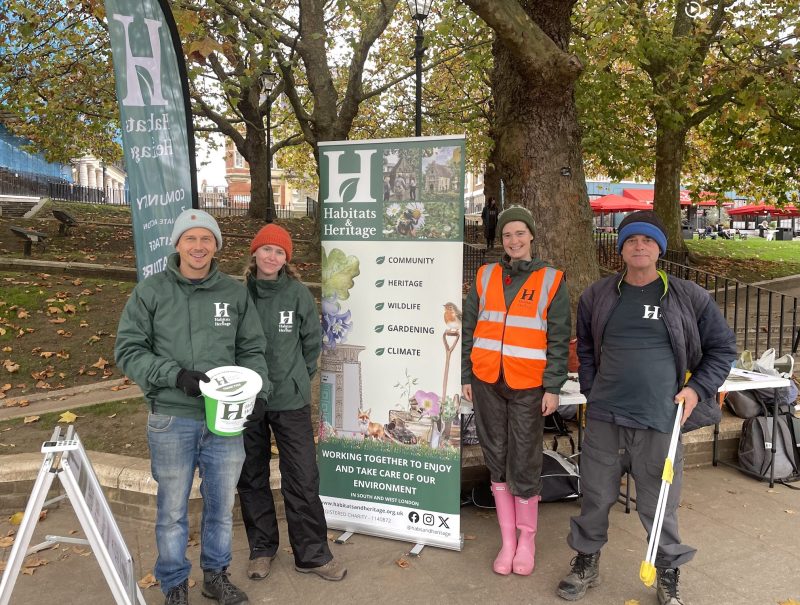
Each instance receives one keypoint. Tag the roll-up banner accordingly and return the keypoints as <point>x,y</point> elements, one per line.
<point>157,135</point>
<point>392,252</point>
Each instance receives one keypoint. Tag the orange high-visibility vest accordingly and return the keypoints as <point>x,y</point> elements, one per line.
<point>515,337</point>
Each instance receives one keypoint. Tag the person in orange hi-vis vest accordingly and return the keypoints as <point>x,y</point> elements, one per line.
<point>516,330</point>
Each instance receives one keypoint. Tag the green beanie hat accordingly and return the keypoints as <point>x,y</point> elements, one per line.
<point>515,213</point>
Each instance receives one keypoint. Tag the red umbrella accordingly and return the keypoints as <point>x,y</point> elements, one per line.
<point>617,203</point>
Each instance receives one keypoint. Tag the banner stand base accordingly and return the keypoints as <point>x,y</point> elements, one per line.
<point>416,551</point>
<point>343,538</point>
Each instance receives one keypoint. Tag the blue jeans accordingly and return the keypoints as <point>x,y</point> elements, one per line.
<point>178,446</point>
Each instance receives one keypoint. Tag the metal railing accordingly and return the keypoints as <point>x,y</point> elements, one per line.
<point>220,204</point>
<point>312,207</point>
<point>35,185</point>
<point>760,318</point>
<point>472,230</point>
<point>474,257</point>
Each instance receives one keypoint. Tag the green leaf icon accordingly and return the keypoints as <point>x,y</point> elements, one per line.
<point>379,283</point>
<point>380,260</point>
<point>379,352</point>
<point>379,329</point>
<point>348,190</point>
<point>379,307</point>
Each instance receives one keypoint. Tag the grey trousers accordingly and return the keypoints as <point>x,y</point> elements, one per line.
<point>609,451</point>
<point>510,426</point>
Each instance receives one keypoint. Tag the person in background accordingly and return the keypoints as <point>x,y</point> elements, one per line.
<point>646,342</point>
<point>489,218</point>
<point>176,326</point>
<point>516,329</point>
<point>290,322</point>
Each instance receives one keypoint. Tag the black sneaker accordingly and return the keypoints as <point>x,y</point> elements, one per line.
<point>667,589</point>
<point>178,595</point>
<point>584,574</point>
<point>216,585</point>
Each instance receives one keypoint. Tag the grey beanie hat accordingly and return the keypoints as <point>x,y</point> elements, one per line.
<point>191,218</point>
<point>515,213</point>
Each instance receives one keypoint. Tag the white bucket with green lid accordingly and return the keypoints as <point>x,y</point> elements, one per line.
<point>230,396</point>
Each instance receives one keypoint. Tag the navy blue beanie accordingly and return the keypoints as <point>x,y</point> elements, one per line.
<point>643,222</point>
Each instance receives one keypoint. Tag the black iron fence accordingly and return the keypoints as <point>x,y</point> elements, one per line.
<point>221,204</point>
<point>761,318</point>
<point>36,185</point>
<point>312,207</point>
<point>474,257</point>
<point>473,232</point>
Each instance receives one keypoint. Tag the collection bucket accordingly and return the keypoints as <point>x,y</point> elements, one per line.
<point>230,396</point>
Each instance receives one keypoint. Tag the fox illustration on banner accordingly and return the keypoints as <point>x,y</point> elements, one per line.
<point>157,133</point>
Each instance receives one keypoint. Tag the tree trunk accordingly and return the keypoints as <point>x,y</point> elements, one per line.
<point>258,158</point>
<point>538,153</point>
<point>670,143</point>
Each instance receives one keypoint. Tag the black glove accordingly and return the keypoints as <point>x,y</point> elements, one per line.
<point>257,415</point>
<point>189,381</point>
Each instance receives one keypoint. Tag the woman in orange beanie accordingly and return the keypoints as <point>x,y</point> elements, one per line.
<point>290,321</point>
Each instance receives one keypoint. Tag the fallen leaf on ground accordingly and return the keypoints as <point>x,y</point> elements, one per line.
<point>10,366</point>
<point>789,602</point>
<point>100,363</point>
<point>120,387</point>
<point>6,542</point>
<point>84,552</point>
<point>67,417</point>
<point>47,354</point>
<point>191,582</point>
<point>148,581</point>
<point>43,514</point>
<point>29,419</point>
<point>402,563</point>
<point>631,602</point>
<point>469,537</point>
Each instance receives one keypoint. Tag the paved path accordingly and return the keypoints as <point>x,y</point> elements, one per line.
<point>747,536</point>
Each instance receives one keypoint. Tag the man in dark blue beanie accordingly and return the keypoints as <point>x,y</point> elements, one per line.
<point>644,222</point>
<point>640,332</point>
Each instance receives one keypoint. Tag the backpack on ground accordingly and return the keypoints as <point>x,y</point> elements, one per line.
<point>755,446</point>
<point>560,478</point>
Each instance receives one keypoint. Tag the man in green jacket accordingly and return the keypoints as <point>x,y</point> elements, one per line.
<point>176,326</point>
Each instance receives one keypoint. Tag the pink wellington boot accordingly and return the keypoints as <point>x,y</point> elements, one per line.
<point>504,503</point>
<point>527,517</point>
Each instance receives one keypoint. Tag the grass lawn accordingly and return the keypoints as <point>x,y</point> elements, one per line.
<point>750,260</point>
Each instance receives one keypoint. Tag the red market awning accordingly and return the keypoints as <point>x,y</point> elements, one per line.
<point>707,198</point>
<point>617,203</point>
<point>788,211</point>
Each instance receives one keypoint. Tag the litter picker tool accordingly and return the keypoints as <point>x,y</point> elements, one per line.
<point>647,571</point>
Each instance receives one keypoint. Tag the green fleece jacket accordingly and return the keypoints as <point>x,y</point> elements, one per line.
<point>290,320</point>
<point>558,323</point>
<point>170,323</point>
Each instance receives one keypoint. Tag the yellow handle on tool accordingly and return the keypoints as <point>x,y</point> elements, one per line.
<point>647,573</point>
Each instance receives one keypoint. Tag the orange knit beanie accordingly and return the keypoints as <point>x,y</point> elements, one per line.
<point>273,235</point>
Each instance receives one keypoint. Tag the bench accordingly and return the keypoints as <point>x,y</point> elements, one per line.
<point>65,221</point>
<point>30,238</point>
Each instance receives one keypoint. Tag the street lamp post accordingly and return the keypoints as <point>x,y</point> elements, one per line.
<point>419,11</point>
<point>267,84</point>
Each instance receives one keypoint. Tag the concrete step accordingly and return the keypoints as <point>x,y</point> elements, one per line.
<point>17,206</point>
